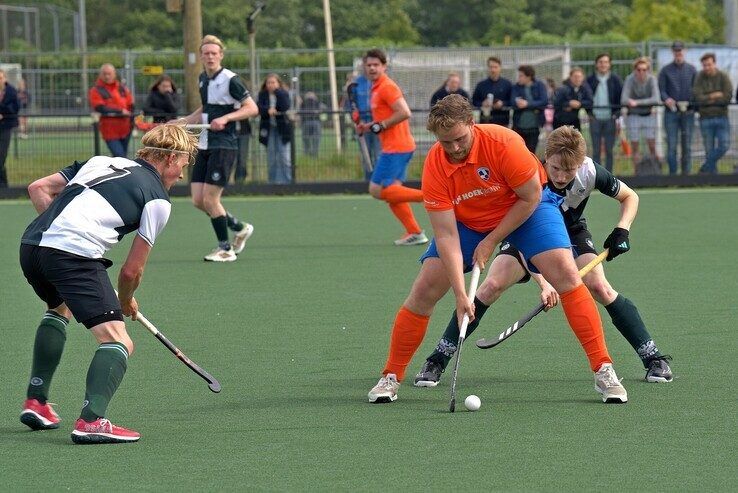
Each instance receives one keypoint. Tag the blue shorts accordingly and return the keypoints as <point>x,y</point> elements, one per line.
<point>391,167</point>
<point>544,230</point>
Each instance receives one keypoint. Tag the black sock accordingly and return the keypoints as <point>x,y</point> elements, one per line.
<point>447,345</point>
<point>233,223</point>
<point>103,378</point>
<point>47,351</point>
<point>220,225</point>
<point>627,320</point>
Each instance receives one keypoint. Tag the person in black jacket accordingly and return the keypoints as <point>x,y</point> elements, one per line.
<point>163,101</point>
<point>452,85</point>
<point>9,107</point>
<point>606,90</point>
<point>573,95</point>
<point>275,129</point>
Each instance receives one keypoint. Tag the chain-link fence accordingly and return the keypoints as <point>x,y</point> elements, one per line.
<point>58,127</point>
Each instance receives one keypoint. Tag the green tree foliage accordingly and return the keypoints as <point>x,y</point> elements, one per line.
<point>669,19</point>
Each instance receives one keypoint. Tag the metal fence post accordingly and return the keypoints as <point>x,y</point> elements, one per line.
<point>96,137</point>
<point>293,154</point>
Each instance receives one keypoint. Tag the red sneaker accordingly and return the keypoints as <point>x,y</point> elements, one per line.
<point>102,431</point>
<point>39,416</point>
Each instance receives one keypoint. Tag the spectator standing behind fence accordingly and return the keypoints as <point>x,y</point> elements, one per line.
<point>529,99</point>
<point>112,99</point>
<point>162,103</point>
<point>275,129</point>
<point>606,90</point>
<point>363,91</point>
<point>572,96</point>
<point>243,130</point>
<point>452,85</point>
<point>9,107</point>
<point>310,123</point>
<point>675,85</point>
<point>640,95</point>
<point>492,95</point>
<point>24,99</point>
<point>712,92</point>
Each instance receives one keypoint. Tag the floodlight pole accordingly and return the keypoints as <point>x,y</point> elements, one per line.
<point>192,27</point>
<point>332,72</point>
<point>251,28</point>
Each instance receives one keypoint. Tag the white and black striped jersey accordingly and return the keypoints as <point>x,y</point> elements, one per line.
<point>221,94</point>
<point>105,198</point>
<point>590,176</point>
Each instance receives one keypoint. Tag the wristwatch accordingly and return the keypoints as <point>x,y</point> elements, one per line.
<point>378,127</point>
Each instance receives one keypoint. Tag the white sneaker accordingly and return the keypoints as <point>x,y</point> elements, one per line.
<point>608,385</point>
<point>220,255</point>
<point>412,239</point>
<point>385,390</point>
<point>239,240</point>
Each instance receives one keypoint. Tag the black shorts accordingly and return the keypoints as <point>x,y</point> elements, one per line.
<point>213,166</point>
<point>81,283</point>
<point>581,241</point>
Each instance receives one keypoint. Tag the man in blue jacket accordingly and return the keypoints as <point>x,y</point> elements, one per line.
<point>675,85</point>
<point>573,95</point>
<point>528,99</point>
<point>492,95</point>
<point>606,90</point>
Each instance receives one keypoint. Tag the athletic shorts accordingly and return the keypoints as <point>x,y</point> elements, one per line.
<point>544,230</point>
<point>638,126</point>
<point>59,277</point>
<point>213,166</point>
<point>391,167</point>
<point>579,235</point>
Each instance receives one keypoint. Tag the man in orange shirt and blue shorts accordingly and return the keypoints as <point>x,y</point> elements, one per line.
<point>391,114</point>
<point>481,186</point>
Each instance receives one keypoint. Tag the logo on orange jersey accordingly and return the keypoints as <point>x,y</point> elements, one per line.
<point>483,173</point>
<point>478,192</point>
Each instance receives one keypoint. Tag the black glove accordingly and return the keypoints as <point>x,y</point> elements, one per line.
<point>617,242</point>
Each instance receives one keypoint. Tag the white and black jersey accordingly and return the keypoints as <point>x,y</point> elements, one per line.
<point>105,198</point>
<point>221,94</point>
<point>590,176</point>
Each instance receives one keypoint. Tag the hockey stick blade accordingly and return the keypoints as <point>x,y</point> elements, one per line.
<point>490,343</point>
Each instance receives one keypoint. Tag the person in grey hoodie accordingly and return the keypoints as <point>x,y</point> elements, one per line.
<point>640,95</point>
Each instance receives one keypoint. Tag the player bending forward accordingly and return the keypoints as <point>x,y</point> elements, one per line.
<point>482,186</point>
<point>85,209</point>
<point>574,177</point>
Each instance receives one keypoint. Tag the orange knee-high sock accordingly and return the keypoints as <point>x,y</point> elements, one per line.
<point>398,193</point>
<point>404,213</point>
<point>407,334</point>
<point>584,320</point>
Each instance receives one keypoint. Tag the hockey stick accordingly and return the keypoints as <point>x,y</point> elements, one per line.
<point>362,140</point>
<point>145,126</point>
<point>462,334</point>
<point>213,384</point>
<point>490,343</point>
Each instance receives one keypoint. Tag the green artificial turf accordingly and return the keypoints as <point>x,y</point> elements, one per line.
<point>297,331</point>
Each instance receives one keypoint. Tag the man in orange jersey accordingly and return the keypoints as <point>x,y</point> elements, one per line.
<point>482,186</point>
<point>390,115</point>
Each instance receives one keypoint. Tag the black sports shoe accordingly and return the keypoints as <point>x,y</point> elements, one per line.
<point>658,370</point>
<point>429,375</point>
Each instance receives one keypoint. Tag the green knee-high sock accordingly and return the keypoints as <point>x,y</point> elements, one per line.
<point>105,374</point>
<point>47,350</point>
<point>447,345</point>
<point>233,223</point>
<point>627,320</point>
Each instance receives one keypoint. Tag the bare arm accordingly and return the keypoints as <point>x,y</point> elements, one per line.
<point>194,117</point>
<point>529,196</point>
<point>400,113</point>
<point>131,274</point>
<point>628,206</point>
<point>447,241</point>
<point>248,109</point>
<point>44,190</point>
